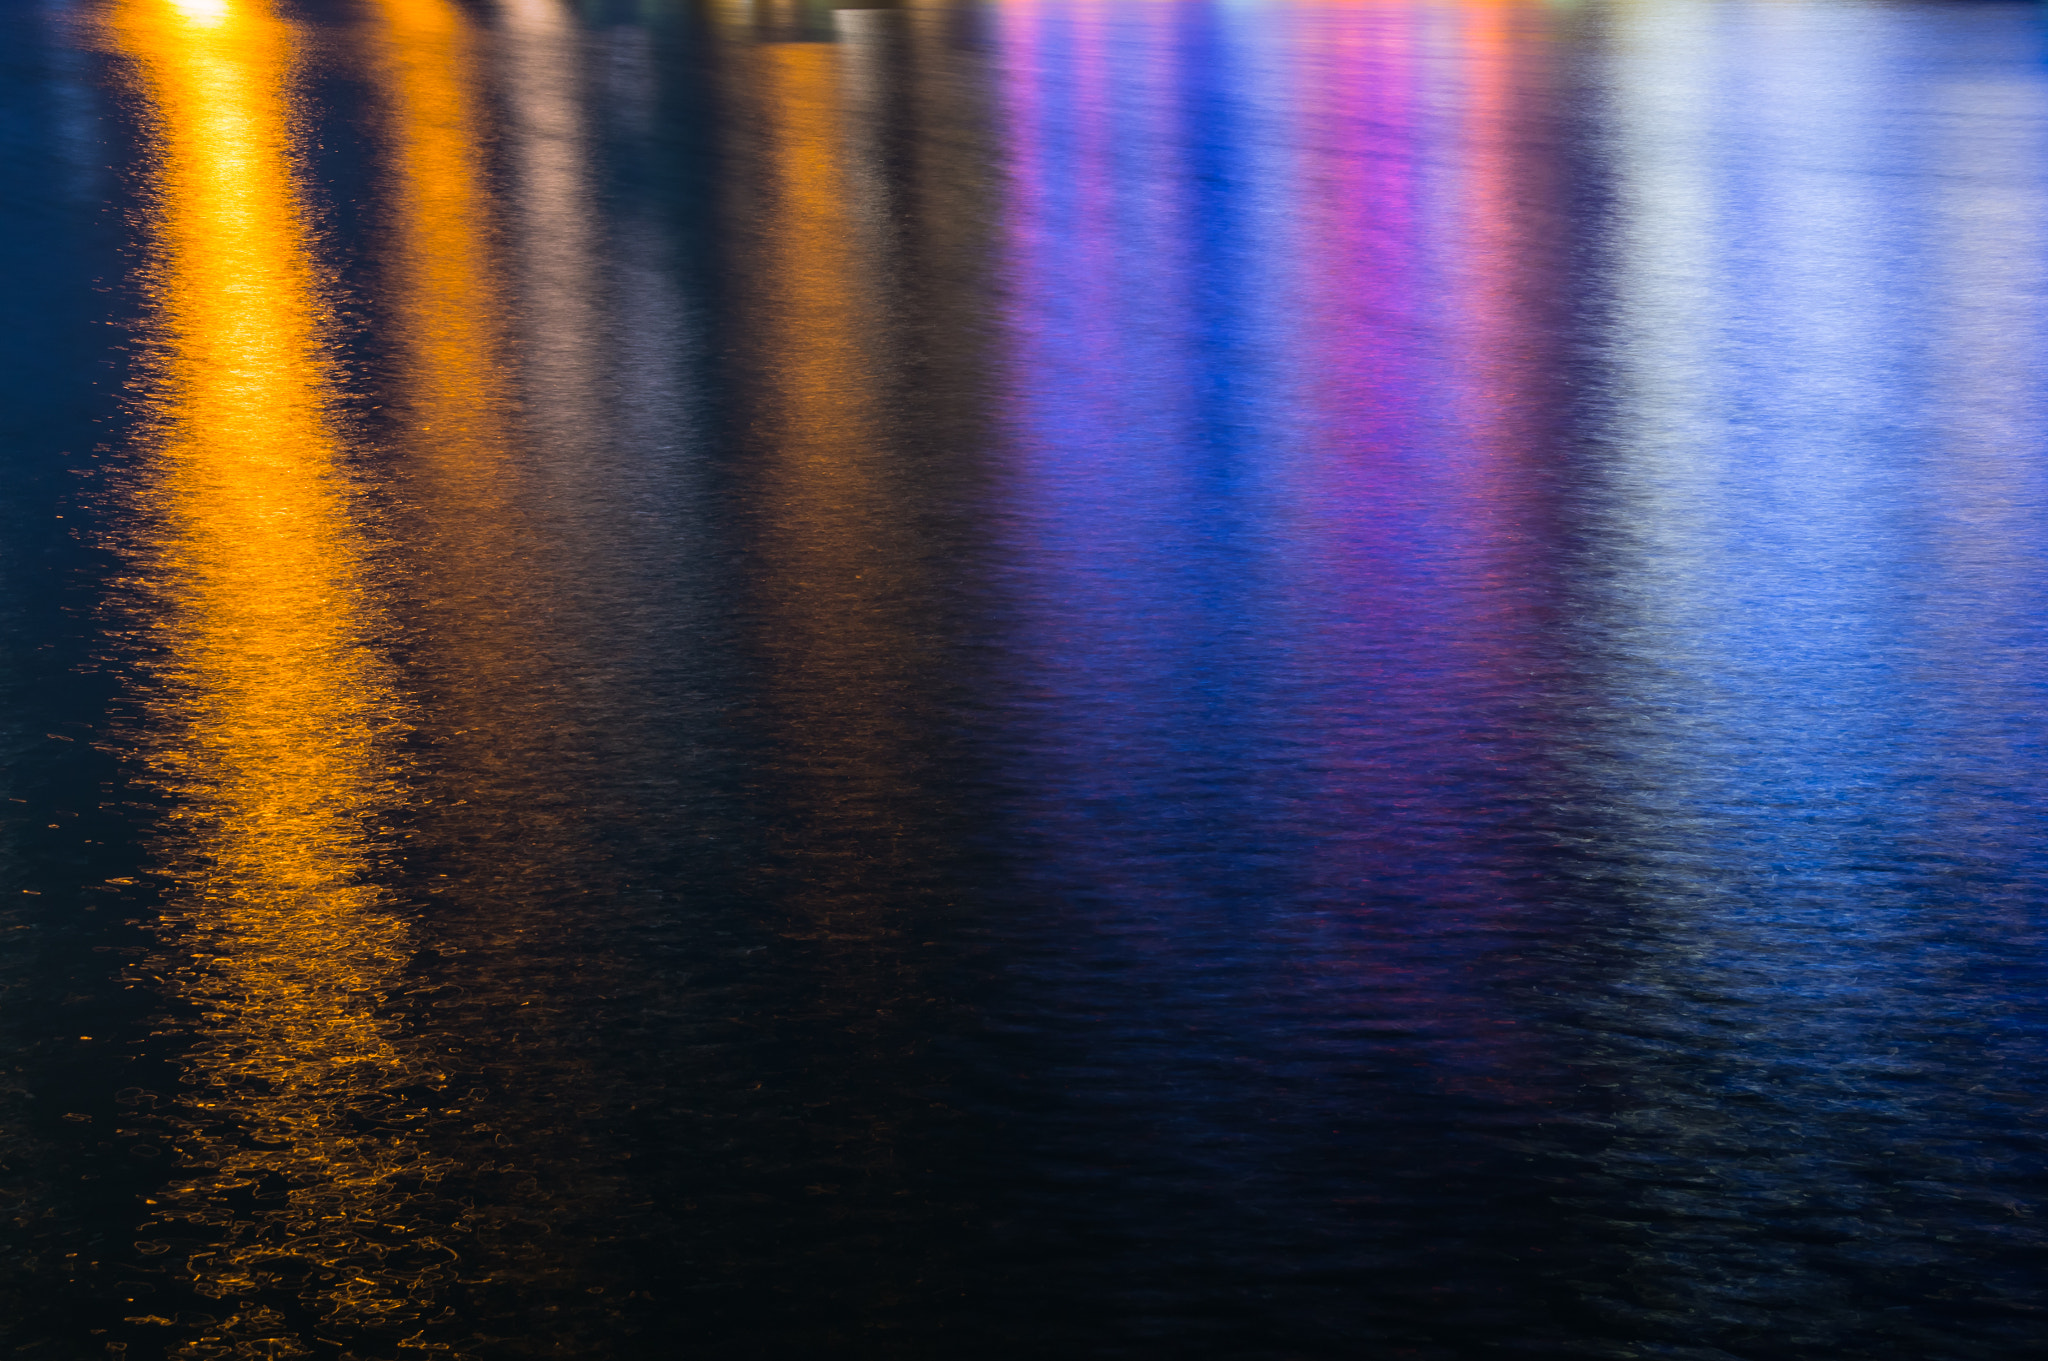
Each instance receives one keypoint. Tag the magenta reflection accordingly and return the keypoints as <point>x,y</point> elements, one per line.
<point>1260,517</point>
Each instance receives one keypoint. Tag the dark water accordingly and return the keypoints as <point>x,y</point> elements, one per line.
<point>1060,677</point>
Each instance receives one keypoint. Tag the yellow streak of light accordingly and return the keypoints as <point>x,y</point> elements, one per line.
<point>203,12</point>
<point>821,369</point>
<point>273,711</point>
<point>823,494</point>
<point>449,308</point>
<point>833,535</point>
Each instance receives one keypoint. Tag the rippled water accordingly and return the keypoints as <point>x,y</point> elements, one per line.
<point>1137,678</point>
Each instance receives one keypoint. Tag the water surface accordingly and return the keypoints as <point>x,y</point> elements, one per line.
<point>1137,678</point>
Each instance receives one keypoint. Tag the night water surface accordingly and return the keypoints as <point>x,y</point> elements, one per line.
<point>1117,678</point>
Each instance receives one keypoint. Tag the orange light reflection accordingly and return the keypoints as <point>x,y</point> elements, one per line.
<point>271,712</point>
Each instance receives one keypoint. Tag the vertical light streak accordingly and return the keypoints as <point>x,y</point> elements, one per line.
<point>814,303</point>
<point>1986,482</point>
<point>1749,335</point>
<point>272,714</point>
<point>555,246</point>
<point>444,286</point>
<point>529,590</point>
<point>654,331</point>
<point>828,537</point>
<point>1663,84</point>
<point>1368,492</point>
<point>447,299</point>
<point>1501,246</point>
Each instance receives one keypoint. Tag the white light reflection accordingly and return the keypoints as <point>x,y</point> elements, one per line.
<point>544,88</point>
<point>206,13</point>
<point>1769,694</point>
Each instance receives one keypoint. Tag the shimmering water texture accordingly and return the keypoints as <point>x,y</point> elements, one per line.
<point>1125,678</point>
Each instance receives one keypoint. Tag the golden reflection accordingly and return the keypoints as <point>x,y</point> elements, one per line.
<point>815,301</point>
<point>444,281</point>
<point>1510,277</point>
<point>823,489</point>
<point>835,539</point>
<point>272,725</point>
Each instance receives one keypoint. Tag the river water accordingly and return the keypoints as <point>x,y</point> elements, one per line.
<point>1125,678</point>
